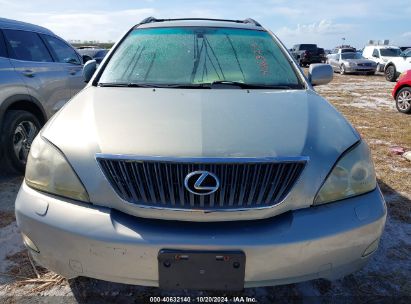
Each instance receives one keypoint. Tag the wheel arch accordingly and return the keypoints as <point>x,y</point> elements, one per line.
<point>389,64</point>
<point>400,88</point>
<point>23,102</point>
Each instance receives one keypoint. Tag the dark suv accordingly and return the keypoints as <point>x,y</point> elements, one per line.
<point>305,54</point>
<point>39,73</point>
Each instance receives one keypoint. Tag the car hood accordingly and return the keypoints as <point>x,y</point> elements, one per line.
<point>199,123</point>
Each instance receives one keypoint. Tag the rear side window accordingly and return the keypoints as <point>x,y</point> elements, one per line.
<point>61,50</point>
<point>3,52</point>
<point>308,47</point>
<point>27,46</point>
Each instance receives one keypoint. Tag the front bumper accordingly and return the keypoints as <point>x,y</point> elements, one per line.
<point>76,239</point>
<point>360,69</point>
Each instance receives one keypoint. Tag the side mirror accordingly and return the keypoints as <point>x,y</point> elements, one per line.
<point>88,70</point>
<point>86,58</point>
<point>320,73</point>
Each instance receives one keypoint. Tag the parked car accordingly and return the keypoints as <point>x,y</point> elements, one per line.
<point>322,54</point>
<point>380,54</point>
<point>191,161</point>
<point>39,73</point>
<point>89,53</point>
<point>402,93</point>
<point>343,49</point>
<point>397,65</point>
<point>351,63</point>
<point>305,54</point>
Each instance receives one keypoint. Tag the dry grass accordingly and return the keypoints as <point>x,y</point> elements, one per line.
<point>34,279</point>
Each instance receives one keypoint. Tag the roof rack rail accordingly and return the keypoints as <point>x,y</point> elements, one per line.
<point>152,19</point>
<point>249,20</point>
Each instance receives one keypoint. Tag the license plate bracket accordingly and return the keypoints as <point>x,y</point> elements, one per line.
<point>201,270</point>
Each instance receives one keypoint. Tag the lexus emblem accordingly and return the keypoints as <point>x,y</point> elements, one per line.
<point>201,182</point>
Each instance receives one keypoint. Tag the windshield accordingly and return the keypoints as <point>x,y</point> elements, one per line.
<point>351,56</point>
<point>198,55</point>
<point>390,52</point>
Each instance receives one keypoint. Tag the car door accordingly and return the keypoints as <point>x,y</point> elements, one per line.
<point>45,80</point>
<point>403,62</point>
<point>334,61</point>
<point>69,60</point>
<point>376,55</point>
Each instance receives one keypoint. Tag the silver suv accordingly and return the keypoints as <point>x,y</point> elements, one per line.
<point>199,156</point>
<point>39,73</point>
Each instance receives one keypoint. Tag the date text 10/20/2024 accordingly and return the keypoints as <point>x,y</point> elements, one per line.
<point>203,299</point>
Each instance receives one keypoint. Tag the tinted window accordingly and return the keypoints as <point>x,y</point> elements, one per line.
<point>348,50</point>
<point>3,52</point>
<point>199,55</point>
<point>61,50</point>
<point>375,53</point>
<point>351,56</point>
<point>101,53</point>
<point>308,47</point>
<point>27,46</point>
<point>390,52</point>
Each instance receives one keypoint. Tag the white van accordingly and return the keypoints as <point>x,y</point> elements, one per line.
<point>381,54</point>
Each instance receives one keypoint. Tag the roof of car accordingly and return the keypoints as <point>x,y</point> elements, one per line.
<point>187,22</point>
<point>19,25</point>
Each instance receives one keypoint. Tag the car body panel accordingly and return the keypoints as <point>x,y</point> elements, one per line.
<point>401,64</point>
<point>404,81</point>
<point>52,84</point>
<point>102,243</point>
<point>200,123</point>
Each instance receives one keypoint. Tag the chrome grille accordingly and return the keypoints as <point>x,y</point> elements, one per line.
<point>244,183</point>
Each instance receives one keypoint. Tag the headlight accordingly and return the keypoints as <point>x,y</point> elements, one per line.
<point>352,64</point>
<point>47,170</point>
<point>353,175</point>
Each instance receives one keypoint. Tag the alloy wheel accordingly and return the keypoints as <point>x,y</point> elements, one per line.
<point>404,100</point>
<point>24,135</point>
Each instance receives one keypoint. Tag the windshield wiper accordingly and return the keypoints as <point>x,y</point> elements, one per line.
<point>128,85</point>
<point>243,85</point>
<point>212,85</point>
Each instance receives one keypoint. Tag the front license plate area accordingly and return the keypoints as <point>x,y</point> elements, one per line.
<point>204,270</point>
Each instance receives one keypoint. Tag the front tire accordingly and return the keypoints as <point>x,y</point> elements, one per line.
<point>403,100</point>
<point>390,73</point>
<point>18,132</point>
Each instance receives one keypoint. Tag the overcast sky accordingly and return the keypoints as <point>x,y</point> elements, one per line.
<point>322,22</point>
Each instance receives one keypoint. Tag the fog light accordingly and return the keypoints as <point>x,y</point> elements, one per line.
<point>29,243</point>
<point>370,249</point>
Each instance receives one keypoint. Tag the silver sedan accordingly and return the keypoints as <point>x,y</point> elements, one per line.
<point>351,63</point>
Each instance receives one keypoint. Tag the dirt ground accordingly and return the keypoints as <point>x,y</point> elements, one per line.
<point>366,102</point>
